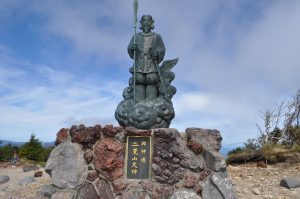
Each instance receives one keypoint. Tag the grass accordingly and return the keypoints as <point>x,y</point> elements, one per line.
<point>26,161</point>
<point>273,153</point>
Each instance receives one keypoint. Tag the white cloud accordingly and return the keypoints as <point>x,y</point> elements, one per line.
<point>235,59</point>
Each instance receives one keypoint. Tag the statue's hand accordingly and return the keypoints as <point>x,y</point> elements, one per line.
<point>154,55</point>
<point>134,47</point>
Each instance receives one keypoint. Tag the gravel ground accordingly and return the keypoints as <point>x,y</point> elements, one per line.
<point>249,182</point>
<point>12,190</point>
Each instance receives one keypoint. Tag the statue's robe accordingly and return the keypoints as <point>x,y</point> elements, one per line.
<point>146,44</point>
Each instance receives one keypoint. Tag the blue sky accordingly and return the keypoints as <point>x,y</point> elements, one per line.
<point>65,62</point>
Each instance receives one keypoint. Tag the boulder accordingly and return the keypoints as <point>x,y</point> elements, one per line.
<point>47,190</point>
<point>92,175</point>
<point>87,191</point>
<point>86,136</point>
<point>64,194</point>
<point>111,131</point>
<point>88,156</point>
<point>214,160</point>
<point>62,136</point>
<point>104,190</point>
<point>172,158</point>
<point>27,180</point>
<point>208,138</point>
<point>108,158</point>
<point>185,194</point>
<point>218,186</point>
<point>66,165</point>
<point>162,191</point>
<point>261,164</point>
<point>28,168</point>
<point>38,174</point>
<point>120,185</point>
<point>135,194</point>
<point>3,179</point>
<point>290,183</point>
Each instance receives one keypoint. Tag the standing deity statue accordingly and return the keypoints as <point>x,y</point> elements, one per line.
<point>147,101</point>
<point>150,51</point>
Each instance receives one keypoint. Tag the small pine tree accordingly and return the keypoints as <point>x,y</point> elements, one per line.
<point>32,150</point>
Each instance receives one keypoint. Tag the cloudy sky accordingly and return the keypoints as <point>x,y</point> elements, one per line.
<point>65,62</point>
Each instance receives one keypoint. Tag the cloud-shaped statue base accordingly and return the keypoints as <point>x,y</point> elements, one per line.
<point>149,113</point>
<point>146,114</point>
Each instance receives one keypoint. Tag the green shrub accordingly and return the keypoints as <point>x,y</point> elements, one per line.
<point>32,150</point>
<point>7,152</point>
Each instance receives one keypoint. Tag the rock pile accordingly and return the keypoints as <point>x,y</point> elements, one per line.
<point>88,163</point>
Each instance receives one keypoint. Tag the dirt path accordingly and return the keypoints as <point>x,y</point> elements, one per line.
<point>11,189</point>
<point>251,182</point>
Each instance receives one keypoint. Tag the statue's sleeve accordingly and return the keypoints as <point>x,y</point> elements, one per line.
<point>130,51</point>
<point>160,48</point>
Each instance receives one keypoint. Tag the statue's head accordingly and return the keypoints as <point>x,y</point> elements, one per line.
<point>147,23</point>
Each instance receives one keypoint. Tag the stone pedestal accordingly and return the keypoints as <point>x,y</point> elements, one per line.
<point>184,165</point>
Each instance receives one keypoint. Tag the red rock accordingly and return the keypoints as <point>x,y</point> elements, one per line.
<point>137,132</point>
<point>189,180</point>
<point>197,189</point>
<point>149,186</point>
<point>92,175</point>
<point>108,158</point>
<point>86,136</point>
<point>38,174</point>
<point>204,174</point>
<point>162,192</point>
<point>62,135</point>
<point>196,147</point>
<point>261,164</point>
<point>120,185</point>
<point>110,131</point>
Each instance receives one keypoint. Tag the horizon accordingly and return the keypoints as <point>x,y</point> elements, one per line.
<point>64,63</point>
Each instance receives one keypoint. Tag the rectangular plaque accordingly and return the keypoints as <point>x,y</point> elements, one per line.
<point>138,157</point>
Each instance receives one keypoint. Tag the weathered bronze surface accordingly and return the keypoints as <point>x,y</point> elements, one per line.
<point>147,101</point>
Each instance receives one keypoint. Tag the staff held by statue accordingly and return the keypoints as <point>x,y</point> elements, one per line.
<point>135,8</point>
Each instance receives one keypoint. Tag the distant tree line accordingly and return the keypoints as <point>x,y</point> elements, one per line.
<point>31,150</point>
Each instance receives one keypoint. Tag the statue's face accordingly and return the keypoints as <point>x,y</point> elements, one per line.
<point>146,24</point>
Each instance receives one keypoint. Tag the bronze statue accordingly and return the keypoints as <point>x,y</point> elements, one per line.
<point>147,101</point>
<point>150,51</point>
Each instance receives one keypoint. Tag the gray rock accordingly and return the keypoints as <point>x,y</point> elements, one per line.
<point>209,138</point>
<point>27,180</point>
<point>209,190</point>
<point>224,184</point>
<point>185,194</point>
<point>87,191</point>
<point>172,154</point>
<point>66,165</point>
<point>214,160</point>
<point>4,179</point>
<point>64,194</point>
<point>290,183</point>
<point>218,186</point>
<point>135,194</point>
<point>121,136</point>
<point>47,190</point>
<point>104,190</point>
<point>28,168</point>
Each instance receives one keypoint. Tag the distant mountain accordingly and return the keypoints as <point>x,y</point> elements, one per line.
<point>226,148</point>
<point>19,144</point>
